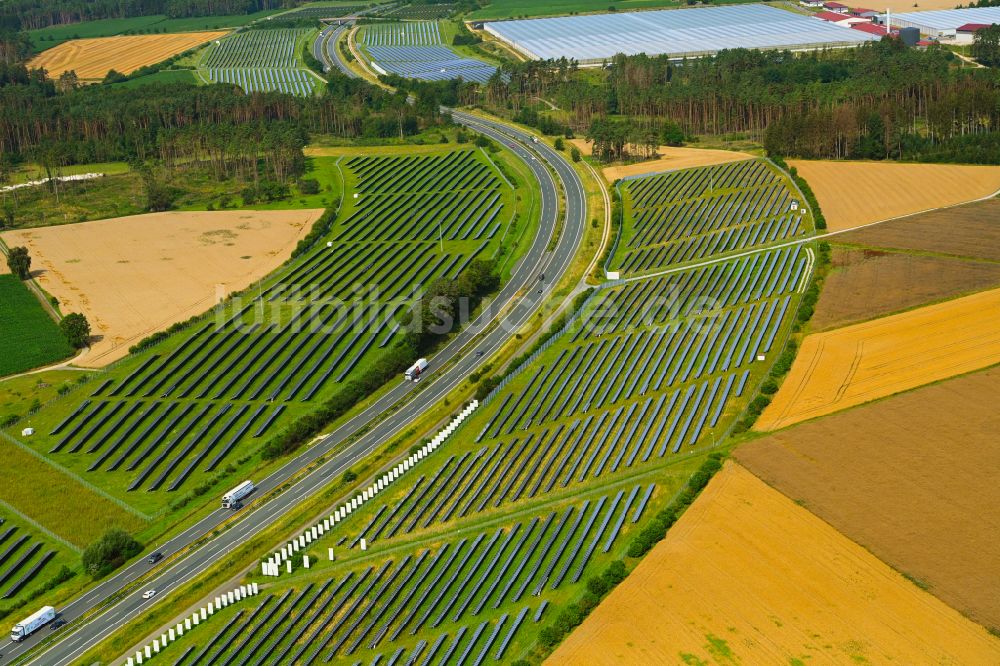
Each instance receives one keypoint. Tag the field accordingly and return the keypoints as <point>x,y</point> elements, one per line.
<point>29,338</point>
<point>670,158</point>
<point>683,216</point>
<point>542,486</point>
<point>869,283</point>
<point>914,479</point>
<point>91,59</point>
<point>415,50</point>
<point>28,559</point>
<point>747,576</point>
<point>856,364</point>
<point>18,395</point>
<point>971,231</point>
<point>503,9</point>
<point>196,408</point>
<point>46,38</point>
<point>853,194</point>
<point>133,276</point>
<point>260,61</point>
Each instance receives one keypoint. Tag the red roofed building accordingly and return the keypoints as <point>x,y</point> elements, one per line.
<point>869,14</point>
<point>839,19</point>
<point>966,34</point>
<point>870,28</point>
<point>836,7</point>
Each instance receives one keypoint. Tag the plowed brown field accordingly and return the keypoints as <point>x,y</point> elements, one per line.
<point>747,576</point>
<point>92,59</point>
<point>856,364</point>
<point>915,479</point>
<point>871,283</point>
<point>972,230</point>
<point>136,275</point>
<point>671,158</point>
<point>852,194</point>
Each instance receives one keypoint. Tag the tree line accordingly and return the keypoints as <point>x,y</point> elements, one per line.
<point>36,14</point>
<point>880,100</point>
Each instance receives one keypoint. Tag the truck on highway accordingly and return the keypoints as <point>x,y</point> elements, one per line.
<point>413,372</point>
<point>231,500</point>
<point>32,623</point>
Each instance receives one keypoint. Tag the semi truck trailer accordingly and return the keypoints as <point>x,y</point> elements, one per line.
<point>413,372</point>
<point>32,623</point>
<point>231,500</point>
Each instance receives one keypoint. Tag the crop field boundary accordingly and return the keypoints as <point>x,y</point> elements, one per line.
<point>41,528</point>
<point>78,479</point>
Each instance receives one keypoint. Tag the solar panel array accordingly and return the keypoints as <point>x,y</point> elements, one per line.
<point>596,37</point>
<point>260,61</point>
<point>414,49</point>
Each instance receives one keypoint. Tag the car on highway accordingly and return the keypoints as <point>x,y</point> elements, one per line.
<point>155,557</point>
<point>58,622</point>
<point>149,594</point>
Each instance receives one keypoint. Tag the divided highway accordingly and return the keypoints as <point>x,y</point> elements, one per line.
<point>520,298</point>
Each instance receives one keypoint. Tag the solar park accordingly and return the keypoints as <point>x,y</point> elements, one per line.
<point>415,50</point>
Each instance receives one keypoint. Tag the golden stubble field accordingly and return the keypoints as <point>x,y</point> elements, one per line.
<point>133,276</point>
<point>915,479</point>
<point>670,159</point>
<point>748,576</point>
<point>852,194</point>
<point>92,59</point>
<point>856,364</point>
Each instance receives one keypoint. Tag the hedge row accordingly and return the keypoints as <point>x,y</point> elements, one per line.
<point>806,191</point>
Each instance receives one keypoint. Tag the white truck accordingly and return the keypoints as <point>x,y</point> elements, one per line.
<point>231,500</point>
<point>32,623</point>
<point>413,372</point>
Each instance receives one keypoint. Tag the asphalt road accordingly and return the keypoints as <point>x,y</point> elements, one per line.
<point>461,356</point>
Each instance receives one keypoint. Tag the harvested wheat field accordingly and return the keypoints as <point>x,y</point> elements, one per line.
<point>915,479</point>
<point>852,194</point>
<point>868,283</point>
<point>972,230</point>
<point>856,364</point>
<point>670,159</point>
<point>92,59</point>
<point>747,576</point>
<point>133,276</point>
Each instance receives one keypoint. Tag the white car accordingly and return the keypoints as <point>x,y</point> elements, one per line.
<point>148,594</point>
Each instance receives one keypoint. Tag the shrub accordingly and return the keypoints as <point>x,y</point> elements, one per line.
<point>110,552</point>
<point>76,328</point>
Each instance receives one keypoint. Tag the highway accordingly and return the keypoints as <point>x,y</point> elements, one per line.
<point>384,420</point>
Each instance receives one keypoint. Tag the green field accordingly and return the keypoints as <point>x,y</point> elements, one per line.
<point>486,541</point>
<point>163,76</point>
<point>46,38</point>
<point>122,192</point>
<point>505,9</point>
<point>29,559</point>
<point>159,430</point>
<point>20,395</point>
<point>28,336</point>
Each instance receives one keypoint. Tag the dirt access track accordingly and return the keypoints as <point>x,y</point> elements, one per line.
<point>747,576</point>
<point>133,276</point>
<point>92,59</point>
<point>671,159</point>
<point>856,364</point>
<point>853,194</point>
<point>915,479</point>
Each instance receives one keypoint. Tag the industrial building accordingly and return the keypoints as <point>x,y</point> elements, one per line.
<point>595,38</point>
<point>944,24</point>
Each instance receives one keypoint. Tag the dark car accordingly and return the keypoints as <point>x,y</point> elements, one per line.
<point>155,557</point>
<point>56,623</point>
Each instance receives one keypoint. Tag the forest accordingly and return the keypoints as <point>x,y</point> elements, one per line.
<point>879,101</point>
<point>35,14</point>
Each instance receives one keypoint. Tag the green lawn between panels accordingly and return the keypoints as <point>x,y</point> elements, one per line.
<point>479,546</point>
<point>159,435</point>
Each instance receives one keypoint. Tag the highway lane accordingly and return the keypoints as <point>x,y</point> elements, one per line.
<point>520,295</point>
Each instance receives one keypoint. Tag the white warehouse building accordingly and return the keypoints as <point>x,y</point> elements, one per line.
<point>943,23</point>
